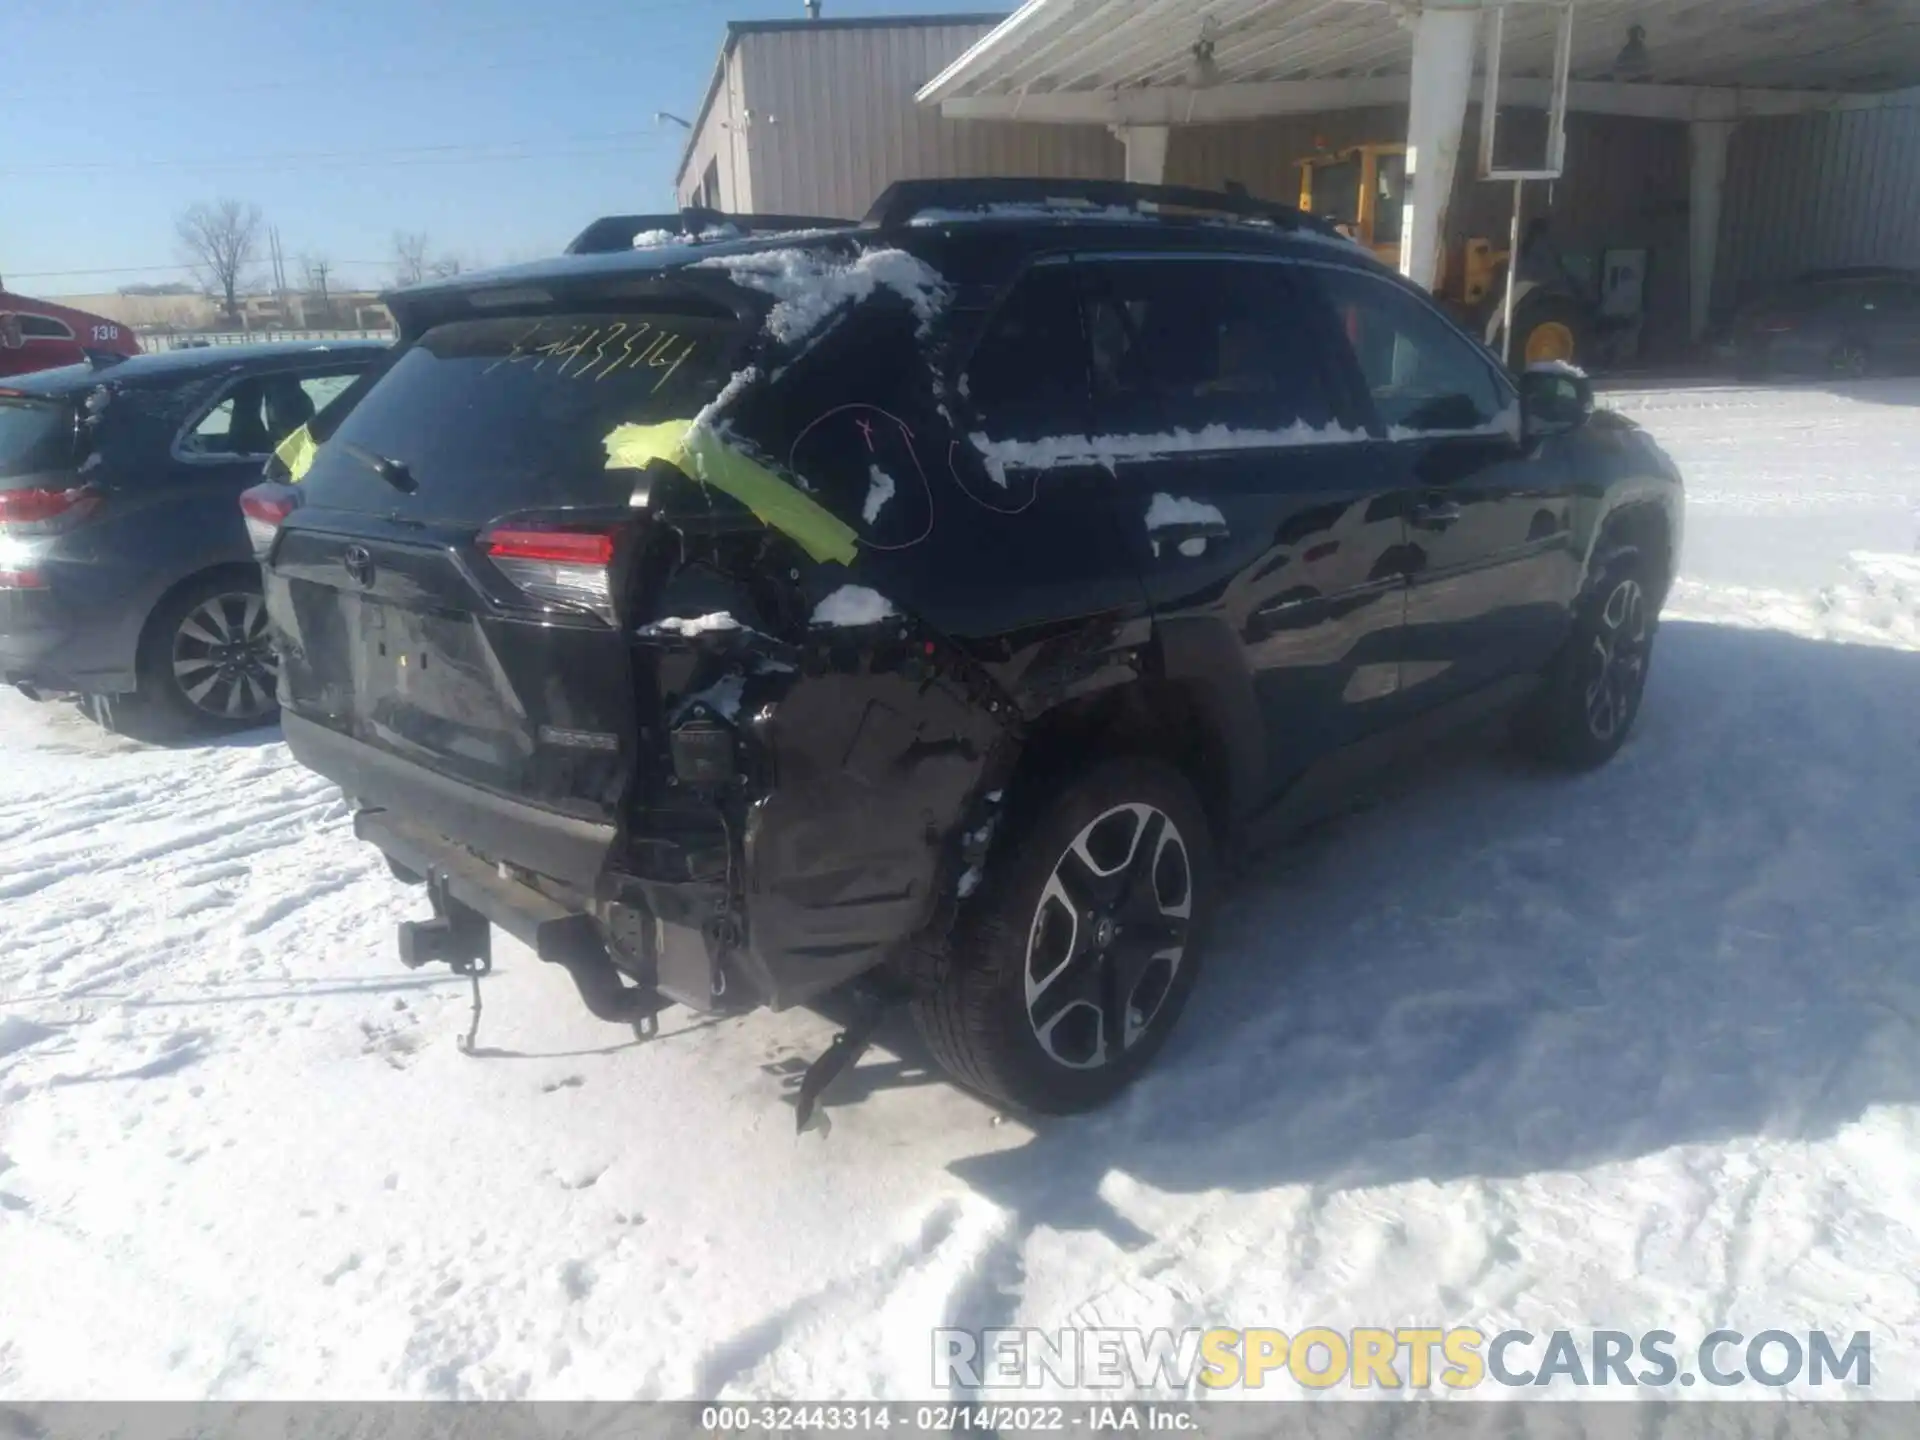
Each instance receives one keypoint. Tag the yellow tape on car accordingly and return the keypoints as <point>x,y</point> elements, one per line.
<point>296,453</point>
<point>703,455</point>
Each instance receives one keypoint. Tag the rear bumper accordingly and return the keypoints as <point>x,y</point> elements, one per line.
<point>570,850</point>
<point>42,644</point>
<point>439,827</point>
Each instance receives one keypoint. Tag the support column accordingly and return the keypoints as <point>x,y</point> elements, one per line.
<point>1707,142</point>
<point>1443,46</point>
<point>1146,152</point>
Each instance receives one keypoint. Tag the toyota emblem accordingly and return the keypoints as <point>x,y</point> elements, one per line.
<point>359,564</point>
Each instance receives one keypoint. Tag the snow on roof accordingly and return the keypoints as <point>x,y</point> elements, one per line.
<point>812,286</point>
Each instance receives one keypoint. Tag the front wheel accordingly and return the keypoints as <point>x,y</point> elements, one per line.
<point>1591,693</point>
<point>207,663</point>
<point>1074,962</point>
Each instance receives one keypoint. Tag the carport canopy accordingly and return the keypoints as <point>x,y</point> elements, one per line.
<point>1144,66</point>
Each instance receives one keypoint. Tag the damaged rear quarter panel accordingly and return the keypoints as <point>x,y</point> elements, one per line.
<point>874,762</point>
<point>875,756</point>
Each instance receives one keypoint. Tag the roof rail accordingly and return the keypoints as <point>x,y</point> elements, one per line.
<point>617,232</point>
<point>901,201</point>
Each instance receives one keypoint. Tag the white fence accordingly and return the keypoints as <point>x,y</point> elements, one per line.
<point>154,344</point>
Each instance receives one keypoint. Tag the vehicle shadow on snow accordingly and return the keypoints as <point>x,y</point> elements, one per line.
<point>1502,970</point>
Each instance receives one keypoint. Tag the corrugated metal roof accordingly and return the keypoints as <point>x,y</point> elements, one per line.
<point>1067,46</point>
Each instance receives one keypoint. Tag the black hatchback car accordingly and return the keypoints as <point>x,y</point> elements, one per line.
<point>1846,324</point>
<point>936,600</point>
<point>126,573</point>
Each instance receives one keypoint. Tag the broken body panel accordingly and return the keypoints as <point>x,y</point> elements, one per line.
<point>756,788</point>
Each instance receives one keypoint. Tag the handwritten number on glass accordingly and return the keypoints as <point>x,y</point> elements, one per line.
<point>594,352</point>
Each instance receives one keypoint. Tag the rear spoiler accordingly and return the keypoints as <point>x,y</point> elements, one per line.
<point>616,232</point>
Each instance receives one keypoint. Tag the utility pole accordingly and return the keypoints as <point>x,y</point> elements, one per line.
<point>279,272</point>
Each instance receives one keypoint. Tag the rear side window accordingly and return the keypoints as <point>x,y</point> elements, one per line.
<point>1183,344</point>
<point>1424,376</point>
<point>35,435</point>
<point>1029,371</point>
<point>491,416</point>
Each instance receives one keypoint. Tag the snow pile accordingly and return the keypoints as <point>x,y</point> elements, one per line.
<point>1165,511</point>
<point>879,491</point>
<point>692,624</point>
<point>1876,602</point>
<point>851,606</point>
<point>722,697</point>
<point>810,285</point>
<point>654,239</point>
<point>1107,451</point>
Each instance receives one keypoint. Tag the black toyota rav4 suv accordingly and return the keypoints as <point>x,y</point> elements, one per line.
<point>935,600</point>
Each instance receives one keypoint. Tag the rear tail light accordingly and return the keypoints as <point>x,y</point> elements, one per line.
<point>18,570</point>
<point>42,511</point>
<point>30,517</point>
<point>567,566</point>
<point>266,507</point>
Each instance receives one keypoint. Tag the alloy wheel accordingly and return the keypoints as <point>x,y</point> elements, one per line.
<point>1850,361</point>
<point>1617,664</point>
<point>223,660</point>
<point>1108,936</point>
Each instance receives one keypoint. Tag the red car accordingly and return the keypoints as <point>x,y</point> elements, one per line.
<point>38,335</point>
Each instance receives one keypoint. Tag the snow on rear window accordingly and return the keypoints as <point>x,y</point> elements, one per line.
<point>811,286</point>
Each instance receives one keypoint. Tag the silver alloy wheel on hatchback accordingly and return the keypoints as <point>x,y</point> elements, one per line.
<point>223,660</point>
<point>1108,936</point>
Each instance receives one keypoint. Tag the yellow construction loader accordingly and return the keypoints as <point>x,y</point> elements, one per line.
<point>1362,189</point>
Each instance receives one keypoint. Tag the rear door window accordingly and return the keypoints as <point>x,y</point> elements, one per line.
<point>1187,344</point>
<point>1028,374</point>
<point>496,415</point>
<point>257,412</point>
<point>35,435</point>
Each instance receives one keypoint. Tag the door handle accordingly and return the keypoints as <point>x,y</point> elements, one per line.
<point>1436,514</point>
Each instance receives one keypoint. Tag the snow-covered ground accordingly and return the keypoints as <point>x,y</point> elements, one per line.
<point>1639,1049</point>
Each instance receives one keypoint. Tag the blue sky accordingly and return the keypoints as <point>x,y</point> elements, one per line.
<point>497,127</point>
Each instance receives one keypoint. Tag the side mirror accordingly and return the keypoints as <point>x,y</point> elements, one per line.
<point>1554,398</point>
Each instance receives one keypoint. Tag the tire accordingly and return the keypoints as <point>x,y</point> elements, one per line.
<point>206,666</point>
<point>1041,1043</point>
<point>1553,322</point>
<point>1850,360</point>
<point>1590,694</point>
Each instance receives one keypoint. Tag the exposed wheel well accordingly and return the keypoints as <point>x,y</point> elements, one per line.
<point>1646,527</point>
<point>1168,720</point>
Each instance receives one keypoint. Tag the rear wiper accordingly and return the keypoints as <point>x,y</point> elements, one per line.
<point>394,472</point>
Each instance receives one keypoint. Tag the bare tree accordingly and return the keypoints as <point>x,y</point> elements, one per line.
<point>221,239</point>
<point>318,269</point>
<point>446,267</point>
<point>409,257</point>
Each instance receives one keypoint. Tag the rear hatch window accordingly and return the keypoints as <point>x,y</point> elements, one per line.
<point>496,415</point>
<point>36,435</point>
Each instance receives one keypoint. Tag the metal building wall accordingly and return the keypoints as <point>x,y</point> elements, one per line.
<point>718,139</point>
<point>833,120</point>
<point>1816,191</point>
